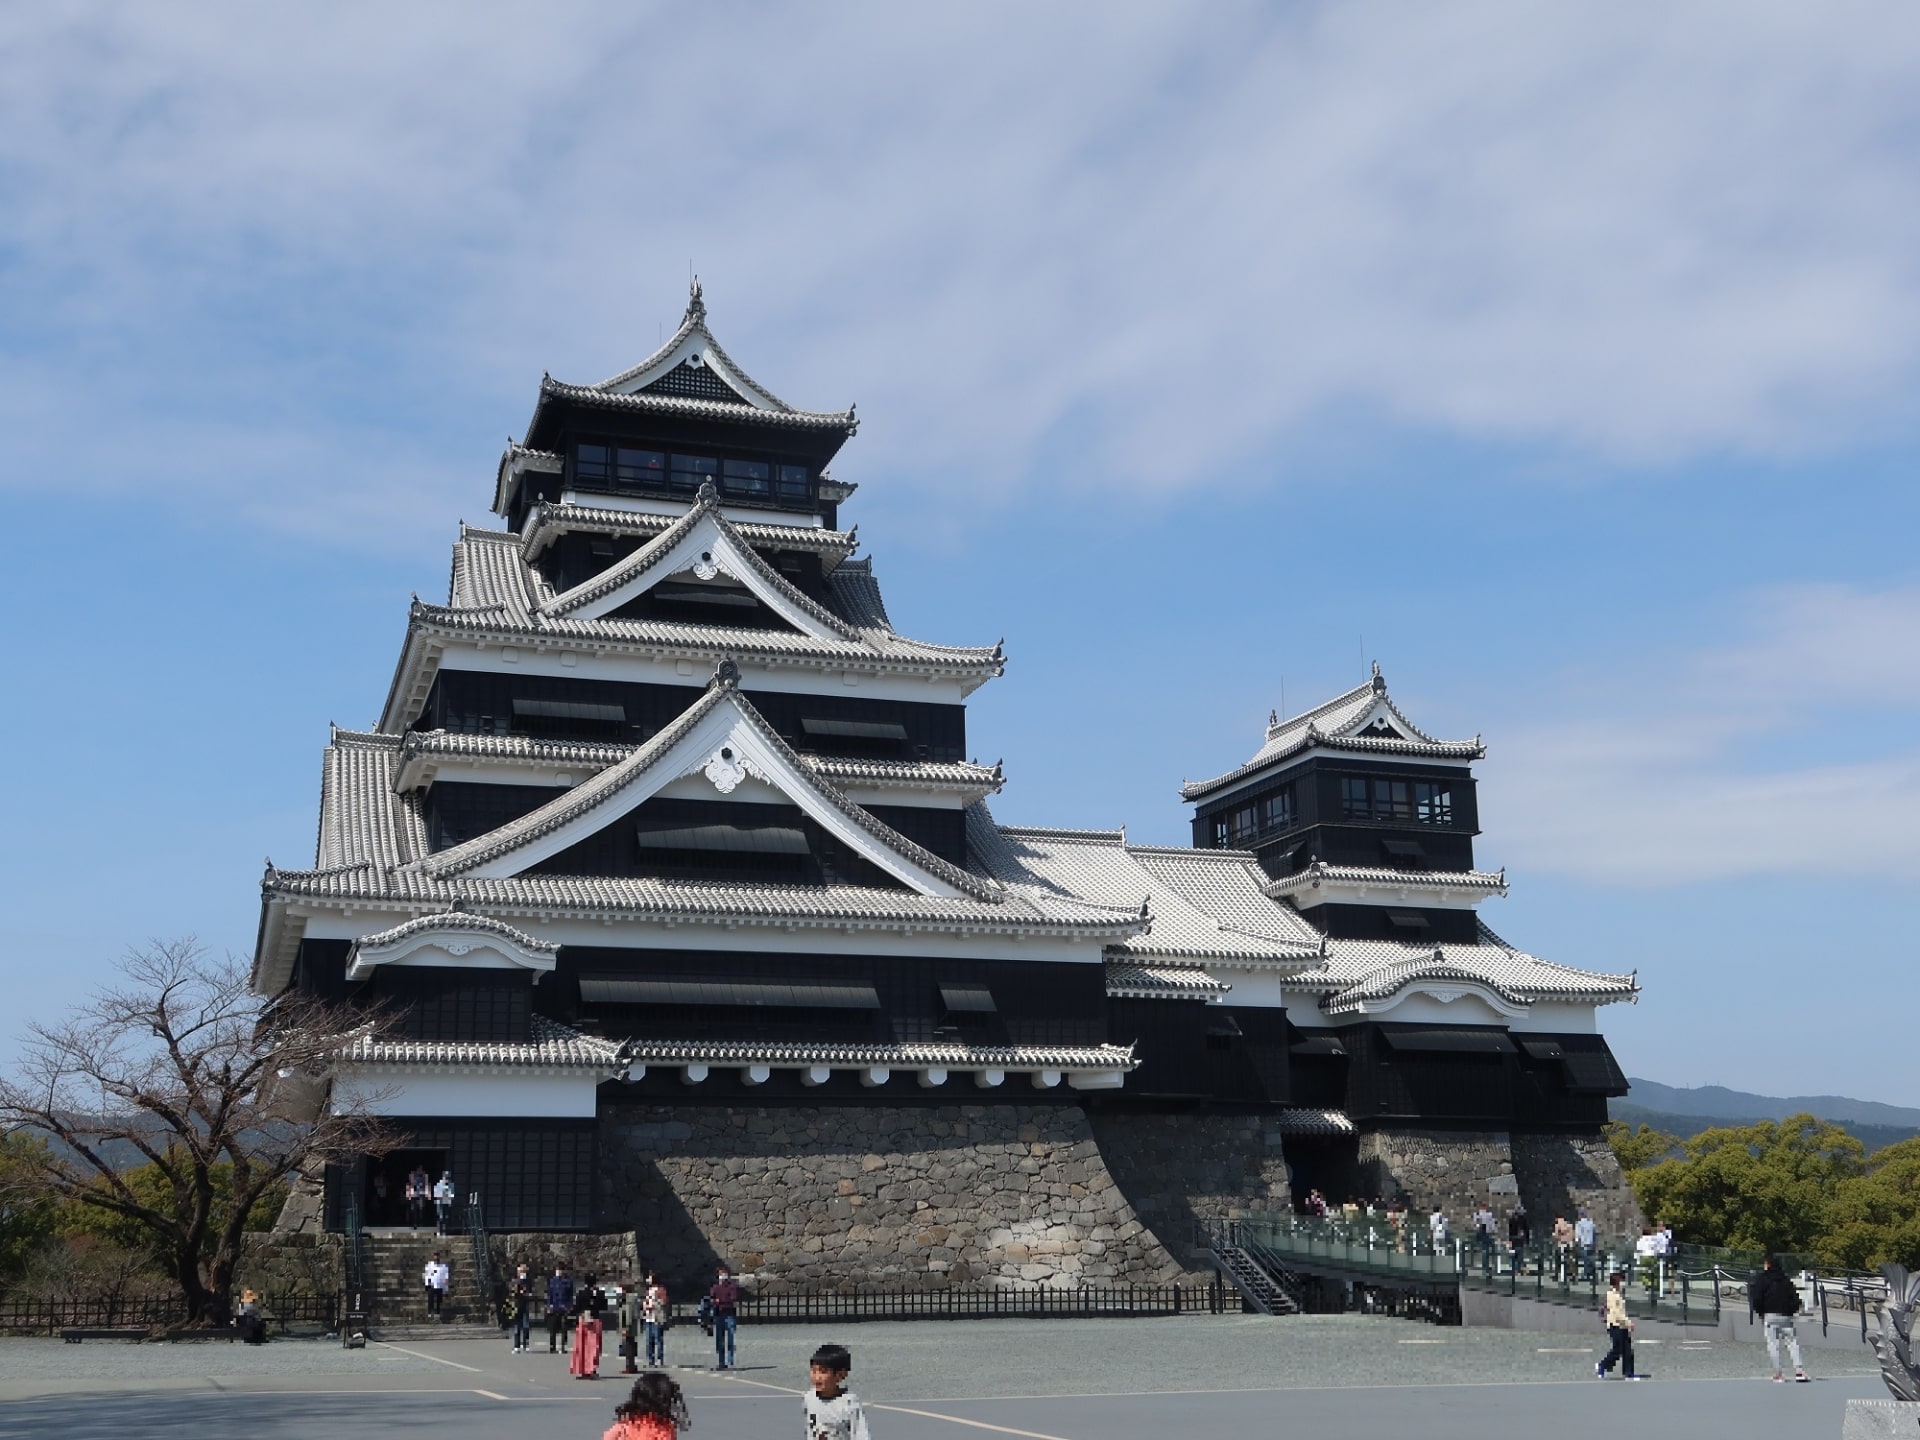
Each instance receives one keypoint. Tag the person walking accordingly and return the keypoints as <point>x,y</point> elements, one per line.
<point>654,1311</point>
<point>520,1299</point>
<point>1583,1236</point>
<point>419,1189</point>
<point>435,1277</point>
<point>1619,1329</point>
<point>559,1307</point>
<point>585,1364</point>
<point>443,1194</point>
<point>1776,1300</point>
<point>725,1296</point>
<point>1519,1236</point>
<point>1483,1235</point>
<point>1437,1228</point>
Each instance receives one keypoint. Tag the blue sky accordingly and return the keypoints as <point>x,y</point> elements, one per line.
<point>1562,360</point>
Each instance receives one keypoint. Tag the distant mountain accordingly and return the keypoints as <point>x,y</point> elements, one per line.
<point>1874,1137</point>
<point>1716,1102</point>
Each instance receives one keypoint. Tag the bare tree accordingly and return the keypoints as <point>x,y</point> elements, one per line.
<point>179,1100</point>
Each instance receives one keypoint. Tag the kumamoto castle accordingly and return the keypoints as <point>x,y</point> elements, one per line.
<point>673,850</point>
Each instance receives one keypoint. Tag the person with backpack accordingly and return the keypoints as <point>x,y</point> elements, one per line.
<point>1776,1300</point>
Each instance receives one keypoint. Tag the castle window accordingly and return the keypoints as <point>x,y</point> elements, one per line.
<point>792,481</point>
<point>639,467</point>
<point>593,464</point>
<point>687,471</point>
<point>1396,802</point>
<point>746,477</point>
<point>1277,810</point>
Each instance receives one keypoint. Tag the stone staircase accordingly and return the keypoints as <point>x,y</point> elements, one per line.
<point>396,1297</point>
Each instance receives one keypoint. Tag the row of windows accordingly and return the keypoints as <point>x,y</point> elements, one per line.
<point>622,468</point>
<point>1402,802</point>
<point>1237,829</point>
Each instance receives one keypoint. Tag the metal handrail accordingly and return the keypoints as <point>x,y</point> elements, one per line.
<point>482,1250</point>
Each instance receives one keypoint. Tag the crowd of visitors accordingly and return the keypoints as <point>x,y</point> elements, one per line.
<point>579,1314</point>
<point>1568,1251</point>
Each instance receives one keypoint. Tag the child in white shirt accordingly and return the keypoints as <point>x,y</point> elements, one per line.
<point>833,1411</point>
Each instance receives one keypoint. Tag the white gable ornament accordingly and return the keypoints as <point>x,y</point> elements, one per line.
<point>727,767</point>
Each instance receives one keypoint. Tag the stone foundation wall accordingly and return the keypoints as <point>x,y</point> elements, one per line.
<point>613,1256</point>
<point>1179,1169</point>
<point>1453,1169</point>
<point>281,1264</point>
<point>825,1197</point>
<point>1560,1173</point>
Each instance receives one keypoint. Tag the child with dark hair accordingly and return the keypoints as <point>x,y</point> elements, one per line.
<point>656,1410</point>
<point>833,1411</point>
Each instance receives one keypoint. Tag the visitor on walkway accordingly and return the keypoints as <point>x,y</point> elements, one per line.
<point>559,1308</point>
<point>1563,1249</point>
<point>1663,1254</point>
<point>833,1411</point>
<point>520,1302</point>
<point>1619,1329</point>
<point>1519,1236</point>
<point>1437,1228</point>
<point>632,1296</point>
<point>654,1312</point>
<point>1483,1235</point>
<point>435,1276</point>
<point>443,1200</point>
<point>1776,1300</point>
<point>1646,1258</point>
<point>1583,1237</point>
<point>419,1187</point>
<point>585,1364</point>
<point>656,1410</point>
<point>725,1296</point>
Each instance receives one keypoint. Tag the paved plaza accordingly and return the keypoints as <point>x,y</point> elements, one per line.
<point>1326,1376</point>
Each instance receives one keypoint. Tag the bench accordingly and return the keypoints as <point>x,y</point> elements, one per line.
<point>73,1335</point>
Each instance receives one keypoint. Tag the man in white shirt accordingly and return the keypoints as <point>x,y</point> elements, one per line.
<point>1437,1227</point>
<point>435,1277</point>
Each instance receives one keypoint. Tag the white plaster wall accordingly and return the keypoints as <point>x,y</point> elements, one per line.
<point>504,1095</point>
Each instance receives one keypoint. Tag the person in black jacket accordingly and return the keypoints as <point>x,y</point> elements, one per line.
<point>1776,1300</point>
<point>1519,1236</point>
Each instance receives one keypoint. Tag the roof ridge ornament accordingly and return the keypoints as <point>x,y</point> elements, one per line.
<point>726,674</point>
<point>1379,680</point>
<point>707,494</point>
<point>696,302</point>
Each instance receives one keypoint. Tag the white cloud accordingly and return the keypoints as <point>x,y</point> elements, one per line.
<point>1789,753</point>
<point>1640,232</point>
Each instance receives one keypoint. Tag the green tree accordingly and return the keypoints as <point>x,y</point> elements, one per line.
<point>28,1216</point>
<point>1876,1216</point>
<point>1766,1186</point>
<point>1637,1149</point>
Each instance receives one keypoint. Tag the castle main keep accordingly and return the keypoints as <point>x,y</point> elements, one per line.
<point>670,848</point>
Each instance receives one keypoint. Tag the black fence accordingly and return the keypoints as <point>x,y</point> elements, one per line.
<point>48,1315</point>
<point>1051,1302</point>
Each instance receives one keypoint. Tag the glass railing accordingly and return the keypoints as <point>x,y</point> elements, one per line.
<point>1681,1288</point>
